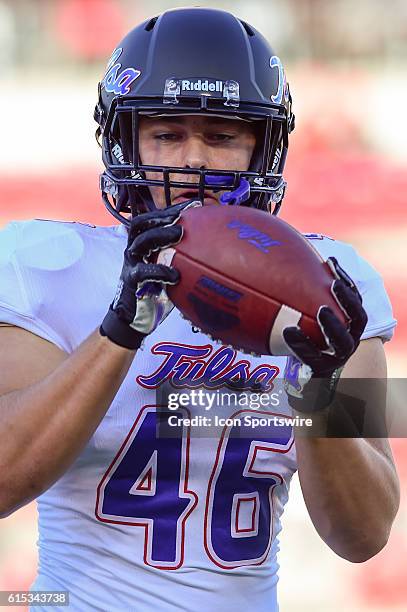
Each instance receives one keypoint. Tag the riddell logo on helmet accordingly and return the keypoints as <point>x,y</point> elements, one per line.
<point>202,85</point>
<point>230,90</point>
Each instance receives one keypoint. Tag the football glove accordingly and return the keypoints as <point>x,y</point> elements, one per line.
<point>312,375</point>
<point>141,303</point>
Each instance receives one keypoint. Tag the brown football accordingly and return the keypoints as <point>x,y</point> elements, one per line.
<point>246,275</point>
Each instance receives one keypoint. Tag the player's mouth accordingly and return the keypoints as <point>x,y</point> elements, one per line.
<point>209,198</point>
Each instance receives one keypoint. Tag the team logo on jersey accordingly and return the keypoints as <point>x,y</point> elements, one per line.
<point>119,81</point>
<point>203,366</point>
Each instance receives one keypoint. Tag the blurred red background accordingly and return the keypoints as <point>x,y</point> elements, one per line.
<point>346,173</point>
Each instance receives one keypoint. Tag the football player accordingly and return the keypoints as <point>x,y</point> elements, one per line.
<point>194,109</point>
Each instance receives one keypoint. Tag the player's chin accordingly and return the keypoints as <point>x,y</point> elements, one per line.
<point>208,200</point>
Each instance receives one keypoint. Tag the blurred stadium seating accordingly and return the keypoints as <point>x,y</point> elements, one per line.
<point>346,178</point>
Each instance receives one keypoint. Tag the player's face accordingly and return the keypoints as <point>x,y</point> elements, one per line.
<point>194,142</point>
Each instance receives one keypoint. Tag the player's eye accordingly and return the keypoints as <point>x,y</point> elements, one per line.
<point>167,136</point>
<point>220,137</point>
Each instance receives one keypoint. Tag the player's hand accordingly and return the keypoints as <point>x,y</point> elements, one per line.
<point>316,371</point>
<point>141,303</point>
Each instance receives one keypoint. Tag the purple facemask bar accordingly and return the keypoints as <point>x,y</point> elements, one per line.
<point>234,198</point>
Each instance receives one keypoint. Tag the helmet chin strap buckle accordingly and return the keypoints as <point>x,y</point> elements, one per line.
<point>233,198</point>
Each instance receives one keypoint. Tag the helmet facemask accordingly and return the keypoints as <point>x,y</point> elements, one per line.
<point>126,182</point>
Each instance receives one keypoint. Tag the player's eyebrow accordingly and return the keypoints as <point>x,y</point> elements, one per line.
<point>213,121</point>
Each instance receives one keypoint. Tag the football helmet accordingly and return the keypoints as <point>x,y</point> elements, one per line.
<point>193,61</point>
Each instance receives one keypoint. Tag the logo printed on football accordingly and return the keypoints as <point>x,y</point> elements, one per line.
<point>258,239</point>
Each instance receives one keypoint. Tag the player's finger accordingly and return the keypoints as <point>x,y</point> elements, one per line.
<point>340,273</point>
<point>151,220</point>
<point>159,218</point>
<point>351,302</point>
<point>301,345</point>
<point>153,239</point>
<point>159,273</point>
<point>336,333</point>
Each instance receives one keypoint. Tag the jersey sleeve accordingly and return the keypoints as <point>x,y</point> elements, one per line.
<point>17,293</point>
<point>376,303</point>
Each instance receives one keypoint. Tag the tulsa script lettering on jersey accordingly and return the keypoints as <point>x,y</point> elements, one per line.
<point>201,366</point>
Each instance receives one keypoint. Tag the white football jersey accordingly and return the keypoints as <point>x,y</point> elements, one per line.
<point>157,513</point>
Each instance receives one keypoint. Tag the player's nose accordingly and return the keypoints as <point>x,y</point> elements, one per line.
<point>195,153</point>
